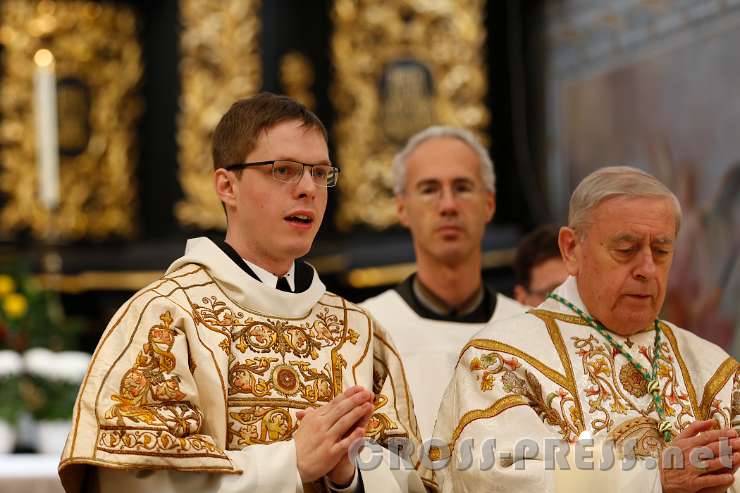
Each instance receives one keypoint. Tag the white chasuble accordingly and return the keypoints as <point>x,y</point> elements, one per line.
<point>549,375</point>
<point>429,348</point>
<point>196,382</point>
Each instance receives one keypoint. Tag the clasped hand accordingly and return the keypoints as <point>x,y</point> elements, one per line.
<point>326,434</point>
<point>695,472</point>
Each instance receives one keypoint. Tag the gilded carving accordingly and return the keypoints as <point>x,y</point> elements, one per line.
<point>98,69</point>
<point>297,76</point>
<point>400,66</point>
<point>220,62</point>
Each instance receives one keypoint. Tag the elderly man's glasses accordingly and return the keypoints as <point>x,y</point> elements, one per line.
<point>324,175</point>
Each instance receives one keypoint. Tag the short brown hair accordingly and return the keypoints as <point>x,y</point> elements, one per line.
<point>537,247</point>
<point>237,133</point>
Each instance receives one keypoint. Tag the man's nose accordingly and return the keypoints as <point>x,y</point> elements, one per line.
<point>306,186</point>
<point>447,202</point>
<point>645,268</point>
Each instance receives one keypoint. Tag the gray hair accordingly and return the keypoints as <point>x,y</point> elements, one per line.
<point>615,181</point>
<point>399,161</point>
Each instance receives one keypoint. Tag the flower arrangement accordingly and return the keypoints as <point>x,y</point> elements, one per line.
<point>31,316</point>
<point>44,381</point>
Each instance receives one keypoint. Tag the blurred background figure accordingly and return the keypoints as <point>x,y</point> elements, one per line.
<point>445,189</point>
<point>538,266</point>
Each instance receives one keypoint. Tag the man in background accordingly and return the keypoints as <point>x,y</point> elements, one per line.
<point>538,266</point>
<point>445,191</point>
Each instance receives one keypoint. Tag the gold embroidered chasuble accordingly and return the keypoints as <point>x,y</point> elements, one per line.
<point>547,374</point>
<point>205,369</point>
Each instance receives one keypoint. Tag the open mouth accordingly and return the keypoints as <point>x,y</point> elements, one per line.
<point>299,219</point>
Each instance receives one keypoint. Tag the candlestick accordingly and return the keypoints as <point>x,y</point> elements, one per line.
<point>47,132</point>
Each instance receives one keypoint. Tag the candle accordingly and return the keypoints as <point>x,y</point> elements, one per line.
<point>47,139</point>
<point>586,458</point>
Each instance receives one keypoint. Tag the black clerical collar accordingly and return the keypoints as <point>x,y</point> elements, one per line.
<point>303,271</point>
<point>420,301</point>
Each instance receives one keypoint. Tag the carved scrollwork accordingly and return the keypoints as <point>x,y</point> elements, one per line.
<point>400,66</point>
<point>98,69</point>
<point>220,62</point>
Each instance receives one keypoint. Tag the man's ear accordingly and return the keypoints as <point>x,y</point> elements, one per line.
<point>225,187</point>
<point>520,294</point>
<point>403,217</point>
<point>490,206</point>
<point>570,249</point>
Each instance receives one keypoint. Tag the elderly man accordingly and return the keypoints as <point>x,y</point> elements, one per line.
<point>595,358</point>
<point>237,370</point>
<point>444,185</point>
<point>538,266</point>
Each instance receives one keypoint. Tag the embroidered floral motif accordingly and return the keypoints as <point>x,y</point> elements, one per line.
<point>272,359</point>
<point>259,425</point>
<point>149,393</point>
<point>380,424</point>
<point>122,441</point>
<point>633,381</point>
<point>495,367</point>
<point>610,390</point>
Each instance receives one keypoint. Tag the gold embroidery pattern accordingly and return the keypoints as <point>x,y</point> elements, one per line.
<point>379,423</point>
<point>161,443</point>
<point>259,425</point>
<point>711,406</point>
<point>494,410</point>
<point>271,360</point>
<point>735,400</point>
<point>149,394</point>
<point>644,432</point>
<point>605,396</point>
<point>556,409</point>
<point>633,381</point>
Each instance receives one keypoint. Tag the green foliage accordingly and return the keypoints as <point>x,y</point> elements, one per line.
<point>49,399</point>
<point>11,404</point>
<point>31,316</point>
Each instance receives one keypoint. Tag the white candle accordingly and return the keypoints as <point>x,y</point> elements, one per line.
<point>47,138</point>
<point>585,459</point>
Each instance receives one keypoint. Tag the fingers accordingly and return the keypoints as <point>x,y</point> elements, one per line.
<point>346,422</point>
<point>339,406</point>
<point>721,463</point>
<point>696,427</point>
<point>714,480</point>
<point>708,437</point>
<point>343,445</point>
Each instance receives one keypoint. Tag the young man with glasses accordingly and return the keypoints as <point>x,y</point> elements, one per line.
<point>237,370</point>
<point>445,191</point>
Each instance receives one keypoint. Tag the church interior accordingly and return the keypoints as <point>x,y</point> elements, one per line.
<point>107,110</point>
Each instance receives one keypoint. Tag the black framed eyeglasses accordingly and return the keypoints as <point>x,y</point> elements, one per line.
<point>324,175</point>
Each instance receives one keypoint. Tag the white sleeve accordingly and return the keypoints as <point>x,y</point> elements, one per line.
<point>264,468</point>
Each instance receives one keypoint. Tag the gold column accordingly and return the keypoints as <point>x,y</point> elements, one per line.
<point>220,62</point>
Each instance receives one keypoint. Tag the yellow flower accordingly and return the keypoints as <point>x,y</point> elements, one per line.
<point>7,285</point>
<point>15,305</point>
